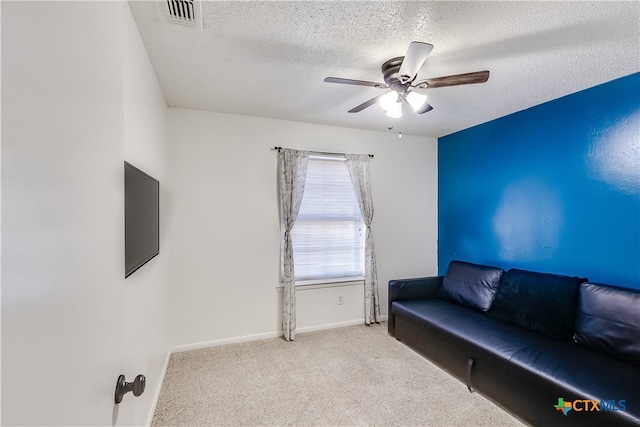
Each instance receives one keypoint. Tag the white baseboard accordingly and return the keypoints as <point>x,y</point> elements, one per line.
<point>334,325</point>
<point>223,341</point>
<point>329,326</point>
<point>156,396</point>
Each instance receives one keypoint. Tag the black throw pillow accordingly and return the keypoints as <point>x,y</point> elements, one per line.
<point>470,285</point>
<point>541,302</point>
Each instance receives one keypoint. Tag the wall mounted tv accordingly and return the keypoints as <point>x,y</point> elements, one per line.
<point>141,218</point>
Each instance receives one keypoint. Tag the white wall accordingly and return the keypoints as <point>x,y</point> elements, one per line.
<point>225,226</point>
<point>79,97</point>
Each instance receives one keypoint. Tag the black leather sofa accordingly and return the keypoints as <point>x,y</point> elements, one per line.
<point>550,349</point>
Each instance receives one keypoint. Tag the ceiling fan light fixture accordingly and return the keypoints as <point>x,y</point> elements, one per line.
<point>395,111</point>
<point>388,100</point>
<point>416,100</point>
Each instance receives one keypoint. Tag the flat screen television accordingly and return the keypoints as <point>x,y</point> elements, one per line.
<point>141,218</point>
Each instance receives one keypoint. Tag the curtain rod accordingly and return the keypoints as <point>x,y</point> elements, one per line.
<point>319,152</point>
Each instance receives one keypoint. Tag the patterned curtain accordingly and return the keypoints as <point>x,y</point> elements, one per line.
<point>358,165</point>
<point>293,174</point>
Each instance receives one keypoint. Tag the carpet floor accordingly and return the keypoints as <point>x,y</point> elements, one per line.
<point>352,376</point>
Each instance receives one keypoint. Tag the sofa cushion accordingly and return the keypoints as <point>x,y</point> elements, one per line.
<point>560,369</point>
<point>487,340</point>
<point>541,302</point>
<point>482,337</point>
<point>608,321</point>
<point>470,285</point>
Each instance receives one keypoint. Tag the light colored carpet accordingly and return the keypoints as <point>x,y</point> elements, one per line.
<point>352,376</point>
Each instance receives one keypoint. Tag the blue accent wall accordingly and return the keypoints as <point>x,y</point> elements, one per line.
<point>554,188</point>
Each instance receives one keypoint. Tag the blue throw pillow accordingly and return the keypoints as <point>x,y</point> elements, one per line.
<point>608,321</point>
<point>470,285</point>
<point>541,302</point>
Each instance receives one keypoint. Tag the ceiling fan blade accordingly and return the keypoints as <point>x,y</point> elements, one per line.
<point>414,58</point>
<point>364,105</point>
<point>458,79</point>
<point>355,82</point>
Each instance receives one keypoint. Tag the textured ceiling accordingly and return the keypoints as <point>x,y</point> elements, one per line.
<point>270,58</point>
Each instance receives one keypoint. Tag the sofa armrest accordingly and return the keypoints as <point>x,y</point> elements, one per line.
<point>403,289</point>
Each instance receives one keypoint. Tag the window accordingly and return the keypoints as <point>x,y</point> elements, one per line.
<point>328,235</point>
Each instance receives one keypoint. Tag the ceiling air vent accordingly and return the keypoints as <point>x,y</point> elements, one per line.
<point>183,12</point>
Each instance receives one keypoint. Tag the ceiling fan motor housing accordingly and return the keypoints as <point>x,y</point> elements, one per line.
<point>391,75</point>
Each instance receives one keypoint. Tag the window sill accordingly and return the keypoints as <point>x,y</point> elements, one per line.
<point>321,284</point>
